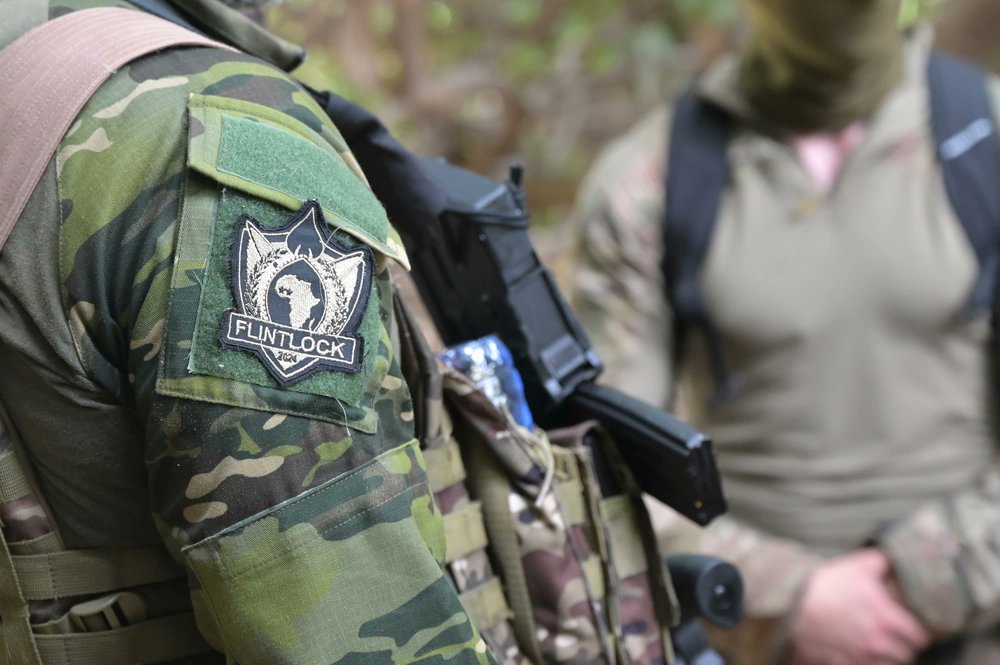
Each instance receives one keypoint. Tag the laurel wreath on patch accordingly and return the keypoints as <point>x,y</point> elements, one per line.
<point>335,321</point>
<point>262,275</point>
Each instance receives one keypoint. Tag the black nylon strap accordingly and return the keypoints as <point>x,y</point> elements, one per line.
<point>166,11</point>
<point>698,173</point>
<point>969,153</point>
<point>396,175</point>
<point>697,176</point>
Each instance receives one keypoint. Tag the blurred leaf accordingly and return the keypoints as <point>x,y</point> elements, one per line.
<point>521,12</point>
<point>439,15</point>
<point>546,82</point>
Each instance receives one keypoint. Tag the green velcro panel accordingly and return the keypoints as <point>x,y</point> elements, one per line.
<point>627,551</point>
<point>274,157</point>
<point>464,531</point>
<point>13,484</point>
<point>444,466</point>
<point>250,149</point>
<point>93,571</point>
<point>486,604</point>
<point>154,641</point>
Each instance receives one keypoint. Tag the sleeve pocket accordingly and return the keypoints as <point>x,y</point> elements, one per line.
<point>346,573</point>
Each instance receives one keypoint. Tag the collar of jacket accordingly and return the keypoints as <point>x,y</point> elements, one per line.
<point>229,25</point>
<point>896,115</point>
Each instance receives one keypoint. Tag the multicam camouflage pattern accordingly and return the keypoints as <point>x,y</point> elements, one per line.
<point>473,571</point>
<point>467,563</point>
<point>583,610</point>
<point>943,552</point>
<point>638,596</point>
<point>304,519</point>
<point>26,525</point>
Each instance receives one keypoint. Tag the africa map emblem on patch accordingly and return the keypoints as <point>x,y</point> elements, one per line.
<point>299,297</point>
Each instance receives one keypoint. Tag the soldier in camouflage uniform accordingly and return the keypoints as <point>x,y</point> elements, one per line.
<point>201,347</point>
<point>274,455</point>
<point>864,416</point>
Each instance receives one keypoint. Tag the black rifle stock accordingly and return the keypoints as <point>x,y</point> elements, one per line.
<point>478,273</point>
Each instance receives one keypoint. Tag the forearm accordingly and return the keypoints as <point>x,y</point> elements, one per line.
<point>946,560</point>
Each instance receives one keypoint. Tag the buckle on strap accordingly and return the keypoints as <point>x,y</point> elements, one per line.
<point>117,610</point>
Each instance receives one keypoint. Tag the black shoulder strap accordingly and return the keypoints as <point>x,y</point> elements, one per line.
<point>697,175</point>
<point>968,149</point>
<point>165,10</point>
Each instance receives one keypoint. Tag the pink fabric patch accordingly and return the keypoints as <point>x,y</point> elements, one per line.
<point>823,155</point>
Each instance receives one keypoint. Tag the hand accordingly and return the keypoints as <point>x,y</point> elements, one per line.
<point>847,616</point>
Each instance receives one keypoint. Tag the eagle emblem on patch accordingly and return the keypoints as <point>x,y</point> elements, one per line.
<point>300,297</point>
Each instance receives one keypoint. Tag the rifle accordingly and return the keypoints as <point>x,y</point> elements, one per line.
<point>478,273</point>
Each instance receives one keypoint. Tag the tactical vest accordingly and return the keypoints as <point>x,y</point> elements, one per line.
<point>549,570</point>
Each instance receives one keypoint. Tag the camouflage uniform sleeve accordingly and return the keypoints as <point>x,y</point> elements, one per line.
<point>946,560</point>
<point>946,554</point>
<point>250,332</point>
<point>616,284</point>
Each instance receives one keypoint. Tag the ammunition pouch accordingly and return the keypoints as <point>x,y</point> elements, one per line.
<point>550,567</point>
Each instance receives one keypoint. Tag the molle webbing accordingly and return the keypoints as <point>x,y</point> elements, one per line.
<point>48,74</point>
<point>464,531</point>
<point>94,571</point>
<point>492,486</point>
<point>46,572</point>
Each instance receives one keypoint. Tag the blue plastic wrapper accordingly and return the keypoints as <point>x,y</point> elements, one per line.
<point>488,363</point>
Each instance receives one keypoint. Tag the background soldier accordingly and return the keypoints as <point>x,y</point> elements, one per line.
<point>856,439</point>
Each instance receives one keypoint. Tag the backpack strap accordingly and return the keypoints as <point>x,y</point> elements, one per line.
<point>697,175</point>
<point>166,11</point>
<point>44,83</point>
<point>968,150</point>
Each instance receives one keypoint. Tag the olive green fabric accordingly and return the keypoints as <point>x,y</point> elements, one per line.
<point>813,66</point>
<point>17,643</point>
<point>248,146</point>
<point>168,639</point>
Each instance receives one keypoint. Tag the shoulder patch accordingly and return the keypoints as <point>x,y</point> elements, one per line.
<point>299,297</point>
<point>280,296</point>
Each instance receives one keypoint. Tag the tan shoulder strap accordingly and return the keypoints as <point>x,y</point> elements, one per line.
<point>49,73</point>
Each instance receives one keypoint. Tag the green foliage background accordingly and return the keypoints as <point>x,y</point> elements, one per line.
<point>542,82</point>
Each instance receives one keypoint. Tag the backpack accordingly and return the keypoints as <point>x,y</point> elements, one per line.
<point>698,173</point>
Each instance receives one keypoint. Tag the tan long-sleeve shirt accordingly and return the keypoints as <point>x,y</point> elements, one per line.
<point>865,403</point>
